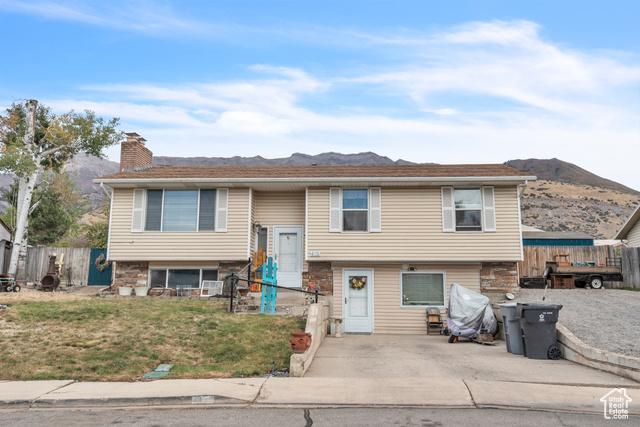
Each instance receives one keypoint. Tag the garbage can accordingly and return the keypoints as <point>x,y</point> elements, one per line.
<point>512,329</point>
<point>538,323</point>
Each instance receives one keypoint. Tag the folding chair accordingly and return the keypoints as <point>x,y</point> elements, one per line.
<point>434,320</point>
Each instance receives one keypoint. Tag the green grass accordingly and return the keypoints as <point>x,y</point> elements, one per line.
<point>104,339</point>
<point>630,289</point>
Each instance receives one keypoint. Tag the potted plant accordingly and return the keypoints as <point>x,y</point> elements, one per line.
<point>63,281</point>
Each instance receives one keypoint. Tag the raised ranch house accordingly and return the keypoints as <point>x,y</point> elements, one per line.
<point>404,232</point>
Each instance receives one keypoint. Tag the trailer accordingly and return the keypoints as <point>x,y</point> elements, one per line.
<point>564,274</point>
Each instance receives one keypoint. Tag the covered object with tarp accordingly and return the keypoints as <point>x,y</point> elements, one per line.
<point>470,313</point>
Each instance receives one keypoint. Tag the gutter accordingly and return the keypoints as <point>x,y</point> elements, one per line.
<point>321,180</point>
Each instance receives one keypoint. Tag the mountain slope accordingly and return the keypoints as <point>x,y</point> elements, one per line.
<point>560,171</point>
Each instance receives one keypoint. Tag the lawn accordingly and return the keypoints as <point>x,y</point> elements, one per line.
<point>107,339</point>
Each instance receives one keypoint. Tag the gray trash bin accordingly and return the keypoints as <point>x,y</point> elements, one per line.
<point>538,323</point>
<point>512,329</point>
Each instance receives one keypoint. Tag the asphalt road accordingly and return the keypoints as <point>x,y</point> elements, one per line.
<point>397,417</point>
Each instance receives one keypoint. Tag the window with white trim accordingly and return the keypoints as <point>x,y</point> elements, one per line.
<point>468,209</point>
<point>179,210</point>
<point>467,203</point>
<point>181,277</point>
<point>355,210</point>
<point>422,289</point>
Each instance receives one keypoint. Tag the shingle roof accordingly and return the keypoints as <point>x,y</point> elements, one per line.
<point>321,171</point>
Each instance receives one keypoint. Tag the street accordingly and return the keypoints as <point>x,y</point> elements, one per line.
<point>299,417</point>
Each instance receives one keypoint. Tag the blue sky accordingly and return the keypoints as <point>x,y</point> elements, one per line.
<point>427,81</point>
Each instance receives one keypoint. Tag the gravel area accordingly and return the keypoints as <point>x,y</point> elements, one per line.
<point>608,319</point>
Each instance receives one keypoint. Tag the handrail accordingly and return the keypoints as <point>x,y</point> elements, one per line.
<point>235,279</point>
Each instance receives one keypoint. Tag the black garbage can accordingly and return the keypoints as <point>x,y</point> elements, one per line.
<point>538,323</point>
<point>512,329</point>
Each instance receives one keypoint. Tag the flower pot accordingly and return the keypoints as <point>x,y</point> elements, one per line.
<point>125,290</point>
<point>301,342</point>
<point>142,291</point>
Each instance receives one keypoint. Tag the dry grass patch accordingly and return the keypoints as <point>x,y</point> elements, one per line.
<point>105,339</point>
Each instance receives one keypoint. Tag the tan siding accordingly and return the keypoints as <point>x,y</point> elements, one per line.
<point>179,246</point>
<point>181,264</point>
<point>389,316</point>
<point>412,230</point>
<point>279,209</point>
<point>633,236</point>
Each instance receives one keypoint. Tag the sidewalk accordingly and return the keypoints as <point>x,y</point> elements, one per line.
<point>309,393</point>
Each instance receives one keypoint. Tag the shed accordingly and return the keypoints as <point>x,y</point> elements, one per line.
<point>5,247</point>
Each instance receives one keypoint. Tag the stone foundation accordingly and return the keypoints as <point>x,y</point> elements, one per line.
<point>321,275</point>
<point>131,273</point>
<point>499,277</point>
<point>228,267</point>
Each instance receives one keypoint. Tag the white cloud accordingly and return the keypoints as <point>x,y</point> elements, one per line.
<point>482,92</point>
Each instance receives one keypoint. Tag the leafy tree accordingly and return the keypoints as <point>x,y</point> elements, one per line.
<point>56,209</point>
<point>97,231</point>
<point>32,140</point>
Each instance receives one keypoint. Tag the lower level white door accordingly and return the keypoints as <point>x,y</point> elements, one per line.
<point>358,300</point>
<point>287,247</point>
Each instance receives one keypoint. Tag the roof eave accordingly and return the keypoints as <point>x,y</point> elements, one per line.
<point>504,180</point>
<point>635,216</point>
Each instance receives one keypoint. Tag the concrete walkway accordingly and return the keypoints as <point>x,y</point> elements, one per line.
<point>387,370</point>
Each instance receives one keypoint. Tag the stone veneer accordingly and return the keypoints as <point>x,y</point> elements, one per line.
<point>499,277</point>
<point>321,275</point>
<point>228,267</point>
<point>132,273</point>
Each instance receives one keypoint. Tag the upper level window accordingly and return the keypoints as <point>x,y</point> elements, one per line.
<point>468,209</point>
<point>355,210</point>
<point>180,210</point>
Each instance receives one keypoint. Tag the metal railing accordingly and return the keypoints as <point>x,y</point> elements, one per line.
<point>234,279</point>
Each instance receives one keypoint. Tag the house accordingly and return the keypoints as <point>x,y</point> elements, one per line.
<point>5,247</point>
<point>384,242</point>
<point>556,238</point>
<point>631,230</point>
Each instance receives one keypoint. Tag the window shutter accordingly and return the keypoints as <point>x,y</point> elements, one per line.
<point>448,220</point>
<point>375,212</point>
<point>335,218</point>
<point>222,207</point>
<point>137,214</point>
<point>489,209</point>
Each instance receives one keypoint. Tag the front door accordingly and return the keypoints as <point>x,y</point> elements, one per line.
<point>287,248</point>
<point>358,302</point>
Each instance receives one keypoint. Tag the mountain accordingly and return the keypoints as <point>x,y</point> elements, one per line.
<point>559,171</point>
<point>564,198</point>
<point>296,159</point>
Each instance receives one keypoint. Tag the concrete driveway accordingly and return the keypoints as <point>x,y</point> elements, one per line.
<point>423,357</point>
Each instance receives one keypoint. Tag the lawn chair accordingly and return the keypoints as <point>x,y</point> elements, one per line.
<point>434,321</point>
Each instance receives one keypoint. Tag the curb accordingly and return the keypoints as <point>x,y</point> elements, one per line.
<point>200,400</point>
<point>577,351</point>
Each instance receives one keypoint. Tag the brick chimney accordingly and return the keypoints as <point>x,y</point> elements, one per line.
<point>133,154</point>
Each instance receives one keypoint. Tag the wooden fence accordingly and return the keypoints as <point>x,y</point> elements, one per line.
<point>535,258</point>
<point>76,258</point>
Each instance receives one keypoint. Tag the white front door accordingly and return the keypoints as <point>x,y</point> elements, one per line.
<point>287,248</point>
<point>357,286</point>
